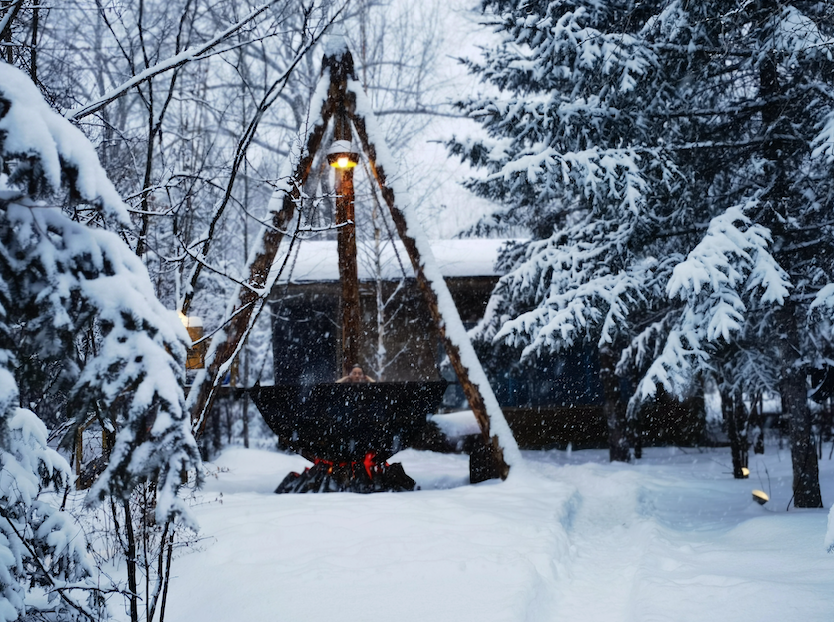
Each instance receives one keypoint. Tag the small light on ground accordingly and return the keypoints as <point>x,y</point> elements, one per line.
<point>745,471</point>
<point>760,497</point>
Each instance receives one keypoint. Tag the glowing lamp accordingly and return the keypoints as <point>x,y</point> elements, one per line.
<point>340,155</point>
<point>197,353</point>
<point>190,321</point>
<point>760,497</point>
<point>745,471</point>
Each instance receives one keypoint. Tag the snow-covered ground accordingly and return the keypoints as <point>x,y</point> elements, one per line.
<point>568,537</point>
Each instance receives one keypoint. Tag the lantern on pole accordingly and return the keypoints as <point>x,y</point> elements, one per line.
<point>196,354</point>
<point>341,155</point>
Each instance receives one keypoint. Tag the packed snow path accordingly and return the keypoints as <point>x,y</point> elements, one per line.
<point>672,538</point>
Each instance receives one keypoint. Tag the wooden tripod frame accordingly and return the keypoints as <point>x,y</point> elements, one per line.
<point>343,93</point>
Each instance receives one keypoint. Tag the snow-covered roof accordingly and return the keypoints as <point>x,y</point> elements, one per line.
<point>316,261</point>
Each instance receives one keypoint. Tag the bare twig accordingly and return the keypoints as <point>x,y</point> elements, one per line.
<point>190,54</point>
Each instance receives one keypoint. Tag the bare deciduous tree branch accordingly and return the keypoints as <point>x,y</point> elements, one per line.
<point>186,56</point>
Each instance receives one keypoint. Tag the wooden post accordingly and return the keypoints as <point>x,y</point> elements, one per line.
<point>348,269</point>
<point>346,219</point>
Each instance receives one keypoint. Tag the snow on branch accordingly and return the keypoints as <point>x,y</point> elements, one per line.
<point>187,55</point>
<point>733,253</point>
<point>798,35</point>
<point>604,175</point>
<point>717,283</point>
<point>682,357</point>
<point>646,346</point>
<point>581,48</point>
<point>64,284</point>
<point>33,532</point>
<point>32,135</point>
<point>823,143</point>
<point>576,295</point>
<point>824,298</point>
<point>822,306</point>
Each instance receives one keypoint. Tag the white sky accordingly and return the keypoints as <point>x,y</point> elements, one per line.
<point>443,174</point>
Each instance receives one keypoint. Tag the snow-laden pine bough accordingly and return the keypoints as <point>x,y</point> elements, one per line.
<point>78,318</point>
<point>308,415</point>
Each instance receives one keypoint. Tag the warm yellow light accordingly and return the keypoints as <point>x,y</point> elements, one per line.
<point>760,497</point>
<point>190,321</point>
<point>342,155</point>
<point>343,160</point>
<point>745,471</point>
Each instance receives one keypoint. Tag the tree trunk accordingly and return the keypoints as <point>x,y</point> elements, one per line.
<point>793,387</point>
<point>33,61</point>
<point>806,485</point>
<point>613,408</point>
<point>735,414</point>
<point>130,561</point>
<point>756,425</point>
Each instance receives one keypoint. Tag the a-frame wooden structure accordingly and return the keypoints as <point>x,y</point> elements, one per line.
<point>346,105</point>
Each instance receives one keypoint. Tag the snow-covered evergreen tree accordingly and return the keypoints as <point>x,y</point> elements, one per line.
<point>42,550</point>
<point>571,155</point>
<point>763,174</point>
<point>682,151</point>
<point>77,302</point>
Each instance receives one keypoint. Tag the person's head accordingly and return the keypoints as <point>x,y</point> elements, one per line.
<point>357,374</point>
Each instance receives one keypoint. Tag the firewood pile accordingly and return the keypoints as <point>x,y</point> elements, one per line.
<point>361,477</point>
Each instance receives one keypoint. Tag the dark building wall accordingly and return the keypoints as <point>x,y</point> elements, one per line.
<point>307,341</point>
<point>304,334</point>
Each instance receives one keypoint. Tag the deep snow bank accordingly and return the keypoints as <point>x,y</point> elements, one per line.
<point>571,538</point>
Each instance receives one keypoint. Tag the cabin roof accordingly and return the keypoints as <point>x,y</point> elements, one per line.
<point>316,260</point>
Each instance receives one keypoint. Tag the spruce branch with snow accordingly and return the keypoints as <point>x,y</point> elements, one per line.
<point>728,273</point>
<point>569,154</point>
<point>65,279</point>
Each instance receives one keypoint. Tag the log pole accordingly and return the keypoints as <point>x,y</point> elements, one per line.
<point>349,309</point>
